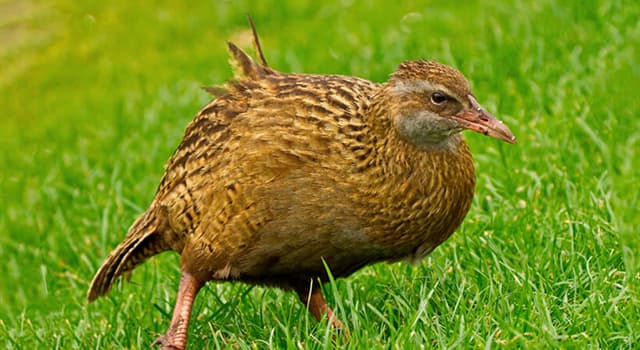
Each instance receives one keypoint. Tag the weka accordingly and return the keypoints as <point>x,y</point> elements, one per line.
<point>284,173</point>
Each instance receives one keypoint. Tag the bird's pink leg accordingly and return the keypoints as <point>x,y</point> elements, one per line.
<point>312,297</point>
<point>176,336</point>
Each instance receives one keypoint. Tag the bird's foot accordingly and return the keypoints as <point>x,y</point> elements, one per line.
<point>165,344</point>
<point>341,333</point>
<point>176,336</point>
<point>311,295</point>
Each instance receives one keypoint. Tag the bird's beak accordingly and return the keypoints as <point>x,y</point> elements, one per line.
<point>479,120</point>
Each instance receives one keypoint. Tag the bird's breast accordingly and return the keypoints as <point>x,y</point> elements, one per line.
<point>419,209</point>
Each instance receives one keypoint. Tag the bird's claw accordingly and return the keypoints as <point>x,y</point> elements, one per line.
<point>164,343</point>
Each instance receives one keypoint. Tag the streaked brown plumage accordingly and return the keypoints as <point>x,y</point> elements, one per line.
<point>282,171</point>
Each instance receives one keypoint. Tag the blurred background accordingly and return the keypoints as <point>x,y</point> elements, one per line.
<point>95,96</point>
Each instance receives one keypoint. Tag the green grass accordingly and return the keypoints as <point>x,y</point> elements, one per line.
<point>95,96</point>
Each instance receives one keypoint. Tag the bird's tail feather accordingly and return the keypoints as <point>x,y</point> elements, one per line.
<point>142,241</point>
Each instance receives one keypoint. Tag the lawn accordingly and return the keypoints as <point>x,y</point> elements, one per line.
<point>95,96</point>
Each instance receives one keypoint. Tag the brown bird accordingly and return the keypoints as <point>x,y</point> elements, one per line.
<point>281,174</point>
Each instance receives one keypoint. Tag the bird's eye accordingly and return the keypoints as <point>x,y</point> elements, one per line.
<point>438,98</point>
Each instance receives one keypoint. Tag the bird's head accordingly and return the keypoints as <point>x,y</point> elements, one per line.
<point>432,102</point>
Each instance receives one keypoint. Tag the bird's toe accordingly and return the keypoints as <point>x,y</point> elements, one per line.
<point>164,344</point>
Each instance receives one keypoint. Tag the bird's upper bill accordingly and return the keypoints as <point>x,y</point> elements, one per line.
<point>479,120</point>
